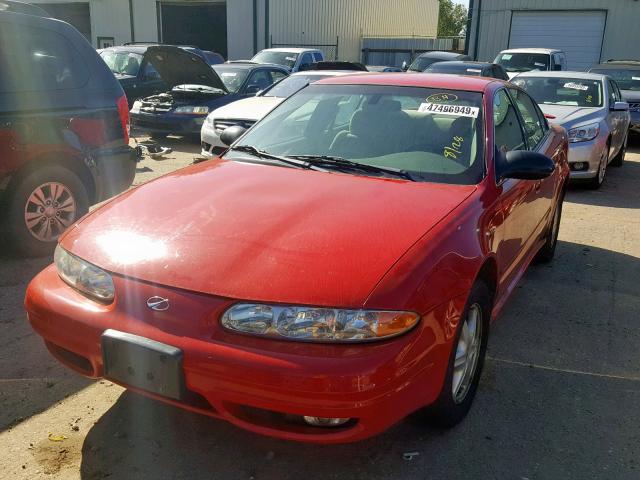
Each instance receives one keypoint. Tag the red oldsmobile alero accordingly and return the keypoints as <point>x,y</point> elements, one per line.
<point>334,271</point>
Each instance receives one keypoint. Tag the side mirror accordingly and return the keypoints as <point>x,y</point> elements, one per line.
<point>405,66</point>
<point>231,134</point>
<point>525,165</point>
<point>620,107</point>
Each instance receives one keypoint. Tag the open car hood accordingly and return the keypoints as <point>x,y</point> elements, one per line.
<point>176,66</point>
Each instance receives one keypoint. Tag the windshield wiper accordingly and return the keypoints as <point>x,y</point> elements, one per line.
<point>328,161</point>
<point>250,149</point>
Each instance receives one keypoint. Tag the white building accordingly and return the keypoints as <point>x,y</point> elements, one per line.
<point>238,28</point>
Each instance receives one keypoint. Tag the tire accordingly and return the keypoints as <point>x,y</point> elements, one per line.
<point>618,160</point>
<point>450,408</point>
<point>50,194</point>
<point>548,251</point>
<point>596,182</point>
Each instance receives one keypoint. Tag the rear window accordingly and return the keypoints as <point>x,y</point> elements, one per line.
<point>232,77</point>
<point>523,62</point>
<point>37,59</point>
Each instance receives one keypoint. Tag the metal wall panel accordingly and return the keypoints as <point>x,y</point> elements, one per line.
<point>621,36</point>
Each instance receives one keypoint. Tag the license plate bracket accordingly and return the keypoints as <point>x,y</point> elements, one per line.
<point>143,363</point>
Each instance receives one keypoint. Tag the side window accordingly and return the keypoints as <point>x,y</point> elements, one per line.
<point>614,93</point>
<point>533,127</point>
<point>259,80</point>
<point>306,60</point>
<point>38,60</point>
<point>317,57</point>
<point>277,75</point>
<point>507,131</point>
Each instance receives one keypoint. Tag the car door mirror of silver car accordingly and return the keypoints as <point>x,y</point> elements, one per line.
<point>524,165</point>
<point>231,134</point>
<point>620,107</point>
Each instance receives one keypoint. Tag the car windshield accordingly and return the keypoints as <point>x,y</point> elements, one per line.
<point>288,59</point>
<point>421,63</point>
<point>562,90</point>
<point>626,79</point>
<point>431,134</point>
<point>123,63</point>
<point>291,85</point>
<point>445,67</point>
<point>232,77</point>
<point>523,62</point>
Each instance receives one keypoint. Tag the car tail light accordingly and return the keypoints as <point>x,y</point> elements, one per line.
<point>123,112</point>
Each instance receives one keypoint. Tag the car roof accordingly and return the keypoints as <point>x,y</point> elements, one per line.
<point>439,54</point>
<point>462,64</point>
<point>321,73</point>
<point>250,65</point>
<point>428,80</point>
<point>532,50</point>
<point>564,74</point>
<point>291,50</point>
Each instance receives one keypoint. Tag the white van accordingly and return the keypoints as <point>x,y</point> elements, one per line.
<point>518,60</point>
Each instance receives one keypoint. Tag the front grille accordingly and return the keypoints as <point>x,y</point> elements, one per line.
<point>221,125</point>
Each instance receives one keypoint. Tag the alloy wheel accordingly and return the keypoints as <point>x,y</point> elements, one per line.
<point>49,211</point>
<point>467,353</point>
<point>602,169</point>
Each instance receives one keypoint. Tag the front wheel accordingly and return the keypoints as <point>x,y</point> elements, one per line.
<point>465,362</point>
<point>597,181</point>
<point>42,206</point>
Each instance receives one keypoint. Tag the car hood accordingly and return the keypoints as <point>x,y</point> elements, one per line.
<point>179,67</point>
<point>262,232</point>
<point>570,115</point>
<point>253,108</point>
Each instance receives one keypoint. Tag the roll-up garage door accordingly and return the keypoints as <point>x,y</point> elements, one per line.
<point>77,14</point>
<point>578,33</point>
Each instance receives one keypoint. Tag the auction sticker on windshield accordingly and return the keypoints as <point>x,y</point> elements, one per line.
<point>576,86</point>
<point>453,110</point>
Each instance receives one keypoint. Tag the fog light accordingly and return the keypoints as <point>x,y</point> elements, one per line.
<point>578,165</point>
<point>325,422</point>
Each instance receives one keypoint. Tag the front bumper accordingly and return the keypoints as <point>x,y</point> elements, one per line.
<point>114,171</point>
<point>258,384</point>
<point>167,123</point>
<point>588,153</point>
<point>212,146</point>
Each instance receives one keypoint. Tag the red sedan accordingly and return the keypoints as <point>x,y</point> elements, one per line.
<point>337,269</point>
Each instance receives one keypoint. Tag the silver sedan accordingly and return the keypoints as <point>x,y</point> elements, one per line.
<point>590,107</point>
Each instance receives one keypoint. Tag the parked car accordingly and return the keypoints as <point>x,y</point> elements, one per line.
<point>294,59</point>
<point>474,69</point>
<point>248,111</point>
<point>591,108</point>
<point>626,74</point>
<point>137,74</point>
<point>335,271</point>
<point>64,121</point>
<point>422,61</point>
<point>518,60</point>
<point>194,90</point>
<point>337,65</point>
<point>383,69</point>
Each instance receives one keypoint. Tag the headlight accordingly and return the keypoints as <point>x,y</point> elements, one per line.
<point>317,324</point>
<point>192,110</point>
<point>89,279</point>
<point>584,133</point>
<point>136,106</point>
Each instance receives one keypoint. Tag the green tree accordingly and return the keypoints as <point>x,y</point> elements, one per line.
<point>452,19</point>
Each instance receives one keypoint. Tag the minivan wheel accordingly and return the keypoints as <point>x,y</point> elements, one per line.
<point>465,362</point>
<point>42,206</point>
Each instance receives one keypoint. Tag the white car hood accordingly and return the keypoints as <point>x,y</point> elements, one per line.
<point>253,108</point>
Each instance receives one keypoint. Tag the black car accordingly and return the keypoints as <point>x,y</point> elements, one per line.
<point>194,89</point>
<point>64,121</point>
<point>626,73</point>
<point>424,60</point>
<point>474,69</point>
<point>138,77</point>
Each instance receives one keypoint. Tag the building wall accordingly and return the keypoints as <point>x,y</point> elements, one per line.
<point>290,22</point>
<point>621,36</point>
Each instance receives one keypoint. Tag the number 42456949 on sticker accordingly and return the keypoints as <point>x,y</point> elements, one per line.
<point>453,110</point>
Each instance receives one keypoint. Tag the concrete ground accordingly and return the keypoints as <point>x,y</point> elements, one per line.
<point>559,397</point>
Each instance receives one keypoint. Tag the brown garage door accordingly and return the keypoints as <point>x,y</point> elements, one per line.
<point>77,14</point>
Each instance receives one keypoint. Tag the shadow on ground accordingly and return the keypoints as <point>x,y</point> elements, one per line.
<point>534,416</point>
<point>30,379</point>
